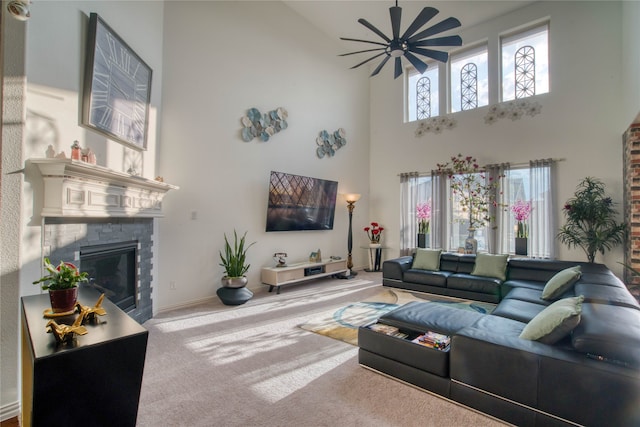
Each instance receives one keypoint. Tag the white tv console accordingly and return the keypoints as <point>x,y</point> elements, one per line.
<point>300,272</point>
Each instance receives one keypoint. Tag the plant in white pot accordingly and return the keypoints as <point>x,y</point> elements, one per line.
<point>234,261</point>
<point>62,283</point>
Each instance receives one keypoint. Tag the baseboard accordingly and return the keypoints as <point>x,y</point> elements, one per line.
<point>184,305</point>
<point>9,411</point>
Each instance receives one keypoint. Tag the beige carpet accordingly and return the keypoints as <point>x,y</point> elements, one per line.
<point>250,365</point>
<point>343,323</point>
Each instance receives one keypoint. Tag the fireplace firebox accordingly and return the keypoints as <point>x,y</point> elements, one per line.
<point>112,270</point>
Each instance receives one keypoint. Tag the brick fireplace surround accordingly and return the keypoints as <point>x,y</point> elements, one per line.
<point>63,238</point>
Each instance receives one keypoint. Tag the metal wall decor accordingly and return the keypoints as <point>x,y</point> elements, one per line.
<point>469,92</point>
<point>525,60</point>
<point>423,98</point>
<point>514,110</point>
<point>263,126</point>
<point>436,125</point>
<point>329,143</point>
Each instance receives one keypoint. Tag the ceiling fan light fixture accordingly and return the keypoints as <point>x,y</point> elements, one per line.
<point>410,43</point>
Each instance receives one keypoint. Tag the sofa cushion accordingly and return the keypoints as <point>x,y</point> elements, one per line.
<point>610,332</point>
<point>605,294</point>
<point>430,316</point>
<point>528,295</point>
<point>424,277</point>
<point>467,282</point>
<point>555,321</point>
<point>560,283</point>
<point>522,311</point>
<point>490,265</point>
<point>427,259</point>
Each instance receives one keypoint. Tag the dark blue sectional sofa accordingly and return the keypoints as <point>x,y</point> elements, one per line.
<point>590,377</point>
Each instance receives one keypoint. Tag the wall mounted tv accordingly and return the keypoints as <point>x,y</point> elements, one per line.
<point>300,203</point>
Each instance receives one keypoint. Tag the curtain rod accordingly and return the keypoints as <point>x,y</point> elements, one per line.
<point>420,174</point>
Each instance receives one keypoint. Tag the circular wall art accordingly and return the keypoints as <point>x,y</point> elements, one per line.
<point>263,126</point>
<point>329,143</point>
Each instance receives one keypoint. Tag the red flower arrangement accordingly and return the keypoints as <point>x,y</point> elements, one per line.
<point>374,232</point>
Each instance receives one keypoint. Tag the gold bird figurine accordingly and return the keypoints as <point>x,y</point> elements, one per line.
<point>91,312</point>
<point>65,333</point>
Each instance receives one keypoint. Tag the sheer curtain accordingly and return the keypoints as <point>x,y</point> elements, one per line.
<point>499,242</point>
<point>439,213</point>
<point>542,244</point>
<point>409,197</point>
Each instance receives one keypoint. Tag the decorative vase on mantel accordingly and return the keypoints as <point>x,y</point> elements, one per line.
<point>521,246</point>
<point>470,243</point>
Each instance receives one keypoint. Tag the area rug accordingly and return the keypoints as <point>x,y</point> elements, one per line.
<point>343,323</point>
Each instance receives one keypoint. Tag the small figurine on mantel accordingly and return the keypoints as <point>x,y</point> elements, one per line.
<point>76,151</point>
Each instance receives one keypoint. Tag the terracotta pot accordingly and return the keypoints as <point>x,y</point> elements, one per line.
<point>63,300</point>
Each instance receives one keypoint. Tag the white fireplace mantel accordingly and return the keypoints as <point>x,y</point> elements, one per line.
<point>74,188</point>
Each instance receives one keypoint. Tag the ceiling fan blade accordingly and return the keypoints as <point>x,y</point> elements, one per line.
<point>424,17</point>
<point>362,41</point>
<point>374,29</point>
<point>367,60</point>
<point>435,54</point>
<point>396,15</point>
<point>445,25</point>
<point>416,62</point>
<point>440,41</point>
<point>379,67</point>
<point>398,70</point>
<point>361,51</point>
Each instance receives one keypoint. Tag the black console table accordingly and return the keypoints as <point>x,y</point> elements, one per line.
<point>93,381</point>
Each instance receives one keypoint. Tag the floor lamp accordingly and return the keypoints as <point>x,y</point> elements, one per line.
<point>351,200</point>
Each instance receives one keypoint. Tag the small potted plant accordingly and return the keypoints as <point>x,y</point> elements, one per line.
<point>234,261</point>
<point>62,283</point>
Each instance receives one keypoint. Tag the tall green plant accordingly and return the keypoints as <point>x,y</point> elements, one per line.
<point>234,258</point>
<point>591,223</point>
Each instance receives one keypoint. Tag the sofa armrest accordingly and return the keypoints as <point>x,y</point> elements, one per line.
<point>395,268</point>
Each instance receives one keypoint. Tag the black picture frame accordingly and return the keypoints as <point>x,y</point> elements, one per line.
<point>117,87</point>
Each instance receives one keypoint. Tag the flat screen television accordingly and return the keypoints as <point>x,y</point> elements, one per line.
<point>300,203</point>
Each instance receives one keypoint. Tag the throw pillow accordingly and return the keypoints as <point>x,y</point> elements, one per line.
<point>427,259</point>
<point>555,321</point>
<point>560,283</point>
<point>489,265</point>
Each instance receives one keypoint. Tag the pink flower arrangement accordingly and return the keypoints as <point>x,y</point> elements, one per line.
<point>423,213</point>
<point>521,211</point>
<point>374,232</point>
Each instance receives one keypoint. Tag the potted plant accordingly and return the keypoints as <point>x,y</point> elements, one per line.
<point>423,213</point>
<point>234,261</point>
<point>521,211</point>
<point>591,223</point>
<point>62,283</point>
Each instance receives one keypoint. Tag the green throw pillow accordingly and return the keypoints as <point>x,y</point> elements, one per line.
<point>427,259</point>
<point>489,265</point>
<point>560,283</point>
<point>555,321</point>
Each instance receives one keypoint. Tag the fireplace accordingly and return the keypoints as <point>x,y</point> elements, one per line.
<point>116,252</point>
<point>112,270</point>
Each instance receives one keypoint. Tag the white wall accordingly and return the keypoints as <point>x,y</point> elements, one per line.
<point>582,118</point>
<point>220,59</point>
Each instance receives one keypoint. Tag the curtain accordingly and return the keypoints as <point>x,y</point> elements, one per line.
<point>439,212</point>
<point>498,231</point>
<point>409,198</point>
<point>542,244</point>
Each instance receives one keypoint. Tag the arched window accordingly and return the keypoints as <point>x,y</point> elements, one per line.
<point>423,98</point>
<point>469,92</point>
<point>525,72</point>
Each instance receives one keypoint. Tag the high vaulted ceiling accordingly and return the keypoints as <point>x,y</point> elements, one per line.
<point>340,18</point>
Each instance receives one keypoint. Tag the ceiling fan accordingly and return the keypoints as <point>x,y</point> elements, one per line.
<point>411,42</point>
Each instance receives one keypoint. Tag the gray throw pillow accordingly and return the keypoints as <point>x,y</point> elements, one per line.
<point>427,259</point>
<point>555,321</point>
<point>560,283</point>
<point>489,265</point>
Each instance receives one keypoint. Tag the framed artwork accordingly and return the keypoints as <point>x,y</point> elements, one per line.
<point>117,87</point>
